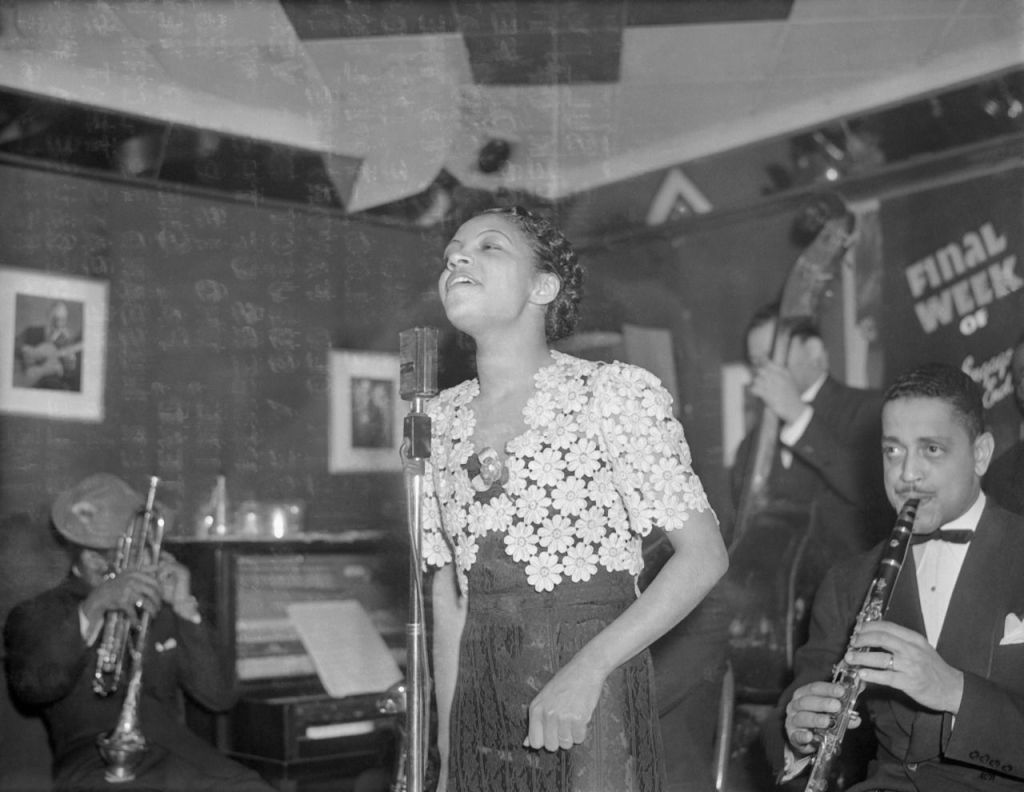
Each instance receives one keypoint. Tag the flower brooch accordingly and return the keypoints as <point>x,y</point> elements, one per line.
<point>487,473</point>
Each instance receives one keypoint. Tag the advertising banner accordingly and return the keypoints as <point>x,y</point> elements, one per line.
<point>954,289</point>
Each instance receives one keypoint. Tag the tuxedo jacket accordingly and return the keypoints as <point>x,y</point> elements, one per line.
<point>1004,480</point>
<point>982,748</point>
<point>837,466</point>
<point>50,669</point>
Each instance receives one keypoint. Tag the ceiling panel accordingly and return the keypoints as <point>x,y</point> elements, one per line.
<point>545,58</point>
<point>840,11</point>
<point>658,12</point>
<point>870,46</point>
<point>585,92</point>
<point>398,111</point>
<point>258,75</point>
<point>975,32</point>
<point>677,57</point>
<point>646,120</point>
<point>330,19</point>
<point>215,23</point>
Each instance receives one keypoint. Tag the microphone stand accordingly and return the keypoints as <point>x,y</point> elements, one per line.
<point>415,452</point>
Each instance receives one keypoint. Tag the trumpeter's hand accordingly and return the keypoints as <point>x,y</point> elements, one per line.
<point>176,587</point>
<point>129,591</point>
<point>175,579</point>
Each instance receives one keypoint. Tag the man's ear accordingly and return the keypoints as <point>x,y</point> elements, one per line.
<point>93,560</point>
<point>984,446</point>
<point>546,286</point>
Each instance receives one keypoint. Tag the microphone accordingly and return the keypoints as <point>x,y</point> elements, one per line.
<point>417,383</point>
<point>417,349</point>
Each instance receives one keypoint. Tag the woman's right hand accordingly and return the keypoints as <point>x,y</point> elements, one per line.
<point>561,711</point>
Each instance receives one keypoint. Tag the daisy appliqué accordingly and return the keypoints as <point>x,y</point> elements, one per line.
<point>600,462</point>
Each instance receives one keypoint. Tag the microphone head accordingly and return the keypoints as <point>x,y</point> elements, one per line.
<point>417,362</point>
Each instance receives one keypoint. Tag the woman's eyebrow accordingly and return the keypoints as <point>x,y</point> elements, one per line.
<point>460,243</point>
<point>494,231</point>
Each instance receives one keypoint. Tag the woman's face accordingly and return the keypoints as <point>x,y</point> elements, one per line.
<point>490,276</point>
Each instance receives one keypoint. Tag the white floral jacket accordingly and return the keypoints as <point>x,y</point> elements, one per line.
<point>601,462</point>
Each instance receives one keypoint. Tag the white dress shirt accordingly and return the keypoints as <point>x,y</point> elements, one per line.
<point>938,567</point>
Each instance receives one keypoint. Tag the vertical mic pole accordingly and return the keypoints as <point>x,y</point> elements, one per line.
<point>418,382</point>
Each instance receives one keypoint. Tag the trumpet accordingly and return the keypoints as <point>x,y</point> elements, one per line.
<point>124,746</point>
<point>138,545</point>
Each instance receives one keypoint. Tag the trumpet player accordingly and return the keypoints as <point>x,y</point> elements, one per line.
<point>51,644</point>
<point>944,669</point>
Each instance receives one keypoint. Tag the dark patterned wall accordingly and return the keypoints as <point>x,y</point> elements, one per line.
<point>221,316</point>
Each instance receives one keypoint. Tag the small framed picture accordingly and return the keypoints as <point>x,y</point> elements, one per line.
<point>365,421</point>
<point>53,355</point>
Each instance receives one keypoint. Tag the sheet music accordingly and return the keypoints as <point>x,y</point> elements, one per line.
<point>349,654</point>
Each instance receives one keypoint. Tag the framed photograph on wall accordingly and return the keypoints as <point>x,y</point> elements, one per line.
<point>365,415</point>
<point>54,344</point>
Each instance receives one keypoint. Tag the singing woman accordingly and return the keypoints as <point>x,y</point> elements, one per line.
<point>546,472</point>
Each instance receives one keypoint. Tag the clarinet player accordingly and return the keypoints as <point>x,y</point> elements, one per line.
<point>944,670</point>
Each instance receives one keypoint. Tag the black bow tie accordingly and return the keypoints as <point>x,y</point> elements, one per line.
<point>957,536</point>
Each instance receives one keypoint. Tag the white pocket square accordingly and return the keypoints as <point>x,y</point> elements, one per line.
<point>1013,632</point>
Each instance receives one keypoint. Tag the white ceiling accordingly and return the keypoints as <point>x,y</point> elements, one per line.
<point>408,104</point>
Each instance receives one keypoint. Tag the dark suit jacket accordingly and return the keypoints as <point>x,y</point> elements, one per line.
<point>920,749</point>
<point>837,464</point>
<point>50,668</point>
<point>1005,478</point>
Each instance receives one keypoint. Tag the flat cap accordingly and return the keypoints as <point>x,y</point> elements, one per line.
<point>96,511</point>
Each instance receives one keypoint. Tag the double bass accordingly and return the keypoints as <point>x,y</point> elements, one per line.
<point>764,561</point>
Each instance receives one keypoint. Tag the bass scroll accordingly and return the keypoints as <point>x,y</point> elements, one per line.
<point>875,605</point>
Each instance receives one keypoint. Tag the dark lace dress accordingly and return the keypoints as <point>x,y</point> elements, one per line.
<point>545,538</point>
<point>514,641</point>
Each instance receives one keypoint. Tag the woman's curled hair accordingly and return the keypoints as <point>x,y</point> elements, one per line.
<point>555,254</point>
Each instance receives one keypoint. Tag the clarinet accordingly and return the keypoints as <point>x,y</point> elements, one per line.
<point>875,604</point>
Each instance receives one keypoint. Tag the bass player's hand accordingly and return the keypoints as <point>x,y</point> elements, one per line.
<point>775,386</point>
